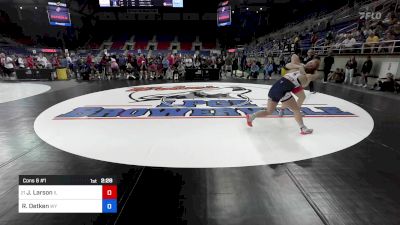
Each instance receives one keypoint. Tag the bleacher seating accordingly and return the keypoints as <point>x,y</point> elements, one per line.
<point>186,42</point>
<point>25,41</point>
<point>209,45</point>
<point>142,41</point>
<point>117,45</point>
<point>141,45</point>
<point>186,46</point>
<point>342,21</point>
<point>208,41</point>
<point>119,41</point>
<point>164,41</point>
<point>94,45</point>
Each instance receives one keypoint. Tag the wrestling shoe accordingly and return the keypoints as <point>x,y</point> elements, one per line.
<point>281,112</point>
<point>249,121</point>
<point>304,130</point>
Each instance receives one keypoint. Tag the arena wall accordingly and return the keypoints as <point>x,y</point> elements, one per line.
<point>381,64</point>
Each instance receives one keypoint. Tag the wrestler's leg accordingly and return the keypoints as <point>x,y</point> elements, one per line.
<point>292,105</point>
<point>301,97</point>
<point>271,106</point>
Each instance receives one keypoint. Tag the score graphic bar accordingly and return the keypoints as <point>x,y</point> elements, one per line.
<point>67,194</point>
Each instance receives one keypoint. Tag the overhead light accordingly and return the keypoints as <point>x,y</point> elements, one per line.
<point>35,7</point>
<point>261,8</point>
<point>247,8</point>
<point>233,11</point>
<point>256,11</point>
<point>20,7</point>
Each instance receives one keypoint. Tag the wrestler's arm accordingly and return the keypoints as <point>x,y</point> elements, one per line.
<point>307,78</point>
<point>295,67</point>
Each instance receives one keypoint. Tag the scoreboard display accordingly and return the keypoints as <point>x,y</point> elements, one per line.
<point>67,194</point>
<point>224,14</point>
<point>141,3</point>
<point>58,14</point>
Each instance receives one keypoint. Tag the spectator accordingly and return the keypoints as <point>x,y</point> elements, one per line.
<point>228,64</point>
<point>367,32</point>
<point>181,70</point>
<point>152,69</point>
<point>2,62</point>
<point>197,63</point>
<point>387,42</point>
<point>63,62</point>
<point>108,67</point>
<point>310,56</point>
<point>356,34</point>
<point>55,61</point>
<point>103,65</point>
<point>114,68</point>
<point>396,30</point>
<point>328,62</point>
<point>380,29</point>
<point>69,58</point>
<point>337,76</point>
<point>130,59</point>
<point>371,42</point>
<point>365,70</point>
<point>8,67</point>
<point>169,73</point>
<point>329,38</point>
<point>165,64</point>
<point>296,42</point>
<point>89,60</point>
<point>243,62</point>
<point>20,62</point>
<point>351,66</point>
<point>42,61</point>
<point>84,70</point>
<point>30,63</point>
<point>268,69</point>
<point>235,65</point>
<point>171,59</point>
<point>220,65</point>
<point>135,64</point>
<point>130,72</point>
<point>349,42</point>
<point>175,71</point>
<point>143,67</point>
<point>254,69</point>
<point>188,62</point>
<point>122,60</point>
<point>314,39</point>
<point>386,84</point>
<point>159,65</point>
<point>390,20</point>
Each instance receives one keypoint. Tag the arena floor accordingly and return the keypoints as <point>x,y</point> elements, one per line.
<point>357,185</point>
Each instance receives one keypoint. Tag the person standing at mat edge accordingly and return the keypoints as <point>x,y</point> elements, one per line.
<point>328,62</point>
<point>310,56</point>
<point>365,71</point>
<point>281,92</point>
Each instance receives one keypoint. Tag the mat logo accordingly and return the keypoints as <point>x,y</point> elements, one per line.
<point>191,102</point>
<point>164,94</point>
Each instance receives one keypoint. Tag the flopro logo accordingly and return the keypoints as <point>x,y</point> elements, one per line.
<point>191,102</point>
<point>197,125</point>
